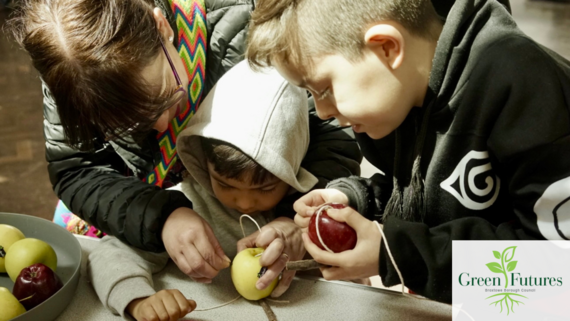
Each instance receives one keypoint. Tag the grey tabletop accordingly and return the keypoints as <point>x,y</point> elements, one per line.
<point>308,298</point>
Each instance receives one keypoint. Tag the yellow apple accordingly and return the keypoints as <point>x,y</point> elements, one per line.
<point>26,252</point>
<point>10,307</point>
<point>245,270</point>
<point>8,236</point>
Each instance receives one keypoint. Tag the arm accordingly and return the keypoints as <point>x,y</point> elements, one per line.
<point>92,185</point>
<point>120,273</point>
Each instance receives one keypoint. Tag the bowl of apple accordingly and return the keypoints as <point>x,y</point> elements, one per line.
<point>39,268</point>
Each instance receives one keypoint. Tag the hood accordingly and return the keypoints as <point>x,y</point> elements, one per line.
<point>469,23</point>
<point>261,114</point>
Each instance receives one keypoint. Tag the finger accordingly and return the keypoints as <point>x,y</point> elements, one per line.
<point>247,242</point>
<point>160,311</point>
<point>149,313</point>
<point>272,252</point>
<point>307,201</point>
<point>349,216</point>
<point>202,280</point>
<point>171,306</point>
<point>266,236</point>
<point>182,263</point>
<point>198,267</point>
<point>325,257</point>
<point>212,251</point>
<point>302,221</point>
<point>272,273</point>
<point>334,273</point>
<point>184,305</point>
<point>284,284</point>
<point>192,305</point>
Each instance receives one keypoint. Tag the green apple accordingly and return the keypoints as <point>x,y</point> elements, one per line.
<point>10,307</point>
<point>245,270</point>
<point>26,252</point>
<point>8,236</point>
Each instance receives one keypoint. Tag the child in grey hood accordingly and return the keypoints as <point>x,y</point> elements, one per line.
<point>243,151</point>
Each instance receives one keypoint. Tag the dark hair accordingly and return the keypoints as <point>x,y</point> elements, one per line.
<point>230,162</point>
<point>295,31</point>
<point>90,54</point>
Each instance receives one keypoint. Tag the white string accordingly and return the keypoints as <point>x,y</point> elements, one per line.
<point>400,273</point>
<point>220,305</point>
<point>391,257</point>
<point>317,220</point>
<point>241,223</point>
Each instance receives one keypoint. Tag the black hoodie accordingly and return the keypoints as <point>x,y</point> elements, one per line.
<point>495,150</point>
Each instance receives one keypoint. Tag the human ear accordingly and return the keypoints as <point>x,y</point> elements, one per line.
<point>387,42</point>
<point>162,24</point>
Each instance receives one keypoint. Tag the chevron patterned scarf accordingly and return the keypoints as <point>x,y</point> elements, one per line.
<point>190,17</point>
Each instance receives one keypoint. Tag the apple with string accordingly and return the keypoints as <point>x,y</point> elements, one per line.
<point>329,234</point>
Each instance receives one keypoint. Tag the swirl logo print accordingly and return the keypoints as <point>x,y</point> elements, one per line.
<point>462,183</point>
<point>510,280</point>
<point>553,211</point>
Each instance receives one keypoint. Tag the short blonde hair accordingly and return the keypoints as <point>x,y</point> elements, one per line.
<point>293,31</point>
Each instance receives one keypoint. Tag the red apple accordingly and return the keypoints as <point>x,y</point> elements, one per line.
<point>337,236</point>
<point>35,284</point>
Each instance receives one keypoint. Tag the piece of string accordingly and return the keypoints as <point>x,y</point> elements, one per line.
<point>251,218</point>
<point>400,273</point>
<point>220,305</point>
<point>317,220</point>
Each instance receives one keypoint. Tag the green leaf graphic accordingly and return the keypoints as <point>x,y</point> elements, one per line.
<point>497,254</point>
<point>512,266</point>
<point>495,267</point>
<point>509,251</point>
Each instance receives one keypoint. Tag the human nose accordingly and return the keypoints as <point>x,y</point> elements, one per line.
<point>325,109</point>
<point>244,203</point>
<point>161,124</point>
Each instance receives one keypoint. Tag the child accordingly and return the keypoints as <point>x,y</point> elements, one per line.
<point>238,161</point>
<point>468,118</point>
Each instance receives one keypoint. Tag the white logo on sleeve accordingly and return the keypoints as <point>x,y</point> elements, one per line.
<point>553,211</point>
<point>473,168</point>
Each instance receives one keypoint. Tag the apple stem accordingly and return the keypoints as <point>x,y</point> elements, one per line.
<point>24,299</point>
<point>2,252</point>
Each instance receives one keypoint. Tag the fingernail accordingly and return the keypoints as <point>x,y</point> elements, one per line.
<point>259,285</point>
<point>227,259</point>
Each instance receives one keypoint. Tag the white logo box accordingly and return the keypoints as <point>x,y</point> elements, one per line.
<point>537,272</point>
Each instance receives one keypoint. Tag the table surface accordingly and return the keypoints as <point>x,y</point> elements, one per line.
<point>307,299</point>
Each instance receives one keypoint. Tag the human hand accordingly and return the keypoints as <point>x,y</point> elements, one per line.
<point>191,244</point>
<point>166,305</point>
<point>360,262</point>
<point>282,241</point>
<point>308,204</point>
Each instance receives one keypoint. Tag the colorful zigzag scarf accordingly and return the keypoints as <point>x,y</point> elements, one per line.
<point>190,17</point>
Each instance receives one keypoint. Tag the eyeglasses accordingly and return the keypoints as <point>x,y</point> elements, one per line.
<point>179,92</point>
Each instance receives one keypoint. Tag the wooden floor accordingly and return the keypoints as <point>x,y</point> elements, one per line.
<point>24,183</point>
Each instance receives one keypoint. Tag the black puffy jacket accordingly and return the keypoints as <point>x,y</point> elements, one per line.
<point>95,185</point>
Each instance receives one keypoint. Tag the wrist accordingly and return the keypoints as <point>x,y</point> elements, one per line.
<point>133,306</point>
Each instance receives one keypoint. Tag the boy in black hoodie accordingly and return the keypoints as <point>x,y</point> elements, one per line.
<point>468,118</point>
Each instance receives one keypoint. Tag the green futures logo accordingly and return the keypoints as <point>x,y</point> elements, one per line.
<point>508,297</point>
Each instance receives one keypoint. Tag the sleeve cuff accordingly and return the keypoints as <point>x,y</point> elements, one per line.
<point>125,292</point>
<point>357,196</point>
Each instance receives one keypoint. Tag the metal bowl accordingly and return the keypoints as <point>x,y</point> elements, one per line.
<point>68,253</point>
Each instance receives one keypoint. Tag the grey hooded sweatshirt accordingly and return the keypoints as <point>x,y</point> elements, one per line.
<point>262,115</point>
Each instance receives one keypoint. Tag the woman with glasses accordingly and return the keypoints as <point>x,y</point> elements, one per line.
<point>121,80</point>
